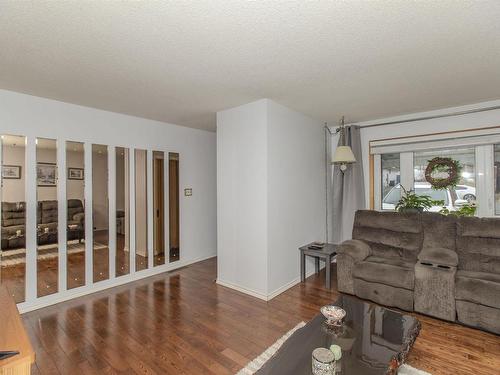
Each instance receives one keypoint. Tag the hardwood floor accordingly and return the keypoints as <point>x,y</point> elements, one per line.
<point>13,277</point>
<point>183,323</point>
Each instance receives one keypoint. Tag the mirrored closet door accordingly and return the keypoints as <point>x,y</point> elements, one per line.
<point>122,211</point>
<point>141,210</point>
<point>47,217</point>
<point>75,230</point>
<point>158,208</point>
<point>173,206</point>
<point>13,218</point>
<point>100,213</point>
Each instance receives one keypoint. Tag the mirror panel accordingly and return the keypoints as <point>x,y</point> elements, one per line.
<point>141,210</point>
<point>75,230</point>
<point>173,206</point>
<point>13,218</point>
<point>122,211</point>
<point>47,217</point>
<point>158,208</point>
<point>100,212</point>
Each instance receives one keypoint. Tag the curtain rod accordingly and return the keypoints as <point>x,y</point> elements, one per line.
<point>430,117</point>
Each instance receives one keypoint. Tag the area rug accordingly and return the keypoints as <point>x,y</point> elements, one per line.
<point>18,256</point>
<point>257,363</point>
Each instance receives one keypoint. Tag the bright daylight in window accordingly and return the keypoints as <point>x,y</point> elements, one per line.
<point>453,198</point>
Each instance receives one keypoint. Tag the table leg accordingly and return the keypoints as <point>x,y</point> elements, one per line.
<point>316,264</point>
<point>328,265</point>
<point>302,266</point>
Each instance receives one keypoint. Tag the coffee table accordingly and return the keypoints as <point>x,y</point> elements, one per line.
<point>374,341</point>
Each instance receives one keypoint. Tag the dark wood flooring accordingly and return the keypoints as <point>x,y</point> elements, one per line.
<point>183,323</point>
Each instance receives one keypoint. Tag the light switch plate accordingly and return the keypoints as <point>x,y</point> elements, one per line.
<point>188,192</point>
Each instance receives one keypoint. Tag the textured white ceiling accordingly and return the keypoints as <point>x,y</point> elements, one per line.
<point>181,62</point>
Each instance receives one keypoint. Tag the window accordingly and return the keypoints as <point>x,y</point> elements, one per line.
<point>412,165</point>
<point>466,187</point>
<point>391,178</point>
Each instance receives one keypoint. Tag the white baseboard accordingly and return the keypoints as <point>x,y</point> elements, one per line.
<point>241,289</point>
<point>264,297</point>
<point>66,295</point>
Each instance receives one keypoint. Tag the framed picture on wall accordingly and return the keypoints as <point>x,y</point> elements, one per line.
<point>11,172</point>
<point>46,174</point>
<point>75,174</point>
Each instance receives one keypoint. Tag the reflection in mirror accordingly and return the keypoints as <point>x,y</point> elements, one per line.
<point>141,210</point>
<point>173,205</point>
<point>75,230</point>
<point>100,212</point>
<point>13,219</point>
<point>47,216</point>
<point>158,208</point>
<point>122,211</point>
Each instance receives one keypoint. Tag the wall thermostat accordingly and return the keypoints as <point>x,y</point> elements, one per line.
<point>188,192</point>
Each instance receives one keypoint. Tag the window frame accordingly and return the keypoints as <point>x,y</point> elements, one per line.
<point>484,174</point>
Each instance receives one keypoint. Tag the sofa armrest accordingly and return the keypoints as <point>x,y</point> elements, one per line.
<point>439,255</point>
<point>356,249</point>
<point>79,217</point>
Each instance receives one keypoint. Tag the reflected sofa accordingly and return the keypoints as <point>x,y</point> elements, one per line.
<point>442,266</point>
<point>14,222</point>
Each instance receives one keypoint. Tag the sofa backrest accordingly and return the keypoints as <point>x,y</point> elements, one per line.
<point>390,234</point>
<point>478,244</point>
<point>13,213</point>
<point>75,206</point>
<point>48,212</point>
<point>440,231</point>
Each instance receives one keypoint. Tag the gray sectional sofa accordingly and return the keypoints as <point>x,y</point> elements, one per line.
<point>13,222</point>
<point>442,266</point>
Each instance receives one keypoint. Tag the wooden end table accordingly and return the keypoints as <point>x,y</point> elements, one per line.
<point>327,253</point>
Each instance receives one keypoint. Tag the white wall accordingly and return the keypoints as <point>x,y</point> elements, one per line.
<point>445,124</point>
<point>271,197</point>
<point>296,190</point>
<point>32,116</point>
<point>242,196</point>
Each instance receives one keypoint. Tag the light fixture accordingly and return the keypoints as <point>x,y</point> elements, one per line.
<point>343,153</point>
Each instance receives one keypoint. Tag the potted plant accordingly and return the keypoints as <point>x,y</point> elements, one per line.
<point>411,202</point>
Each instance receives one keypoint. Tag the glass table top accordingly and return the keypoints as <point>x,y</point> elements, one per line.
<point>374,340</point>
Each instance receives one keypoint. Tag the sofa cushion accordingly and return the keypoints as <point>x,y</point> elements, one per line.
<point>478,244</point>
<point>12,230</point>
<point>440,231</point>
<point>393,272</point>
<point>389,234</point>
<point>384,294</point>
<point>13,213</point>
<point>479,316</point>
<point>478,287</point>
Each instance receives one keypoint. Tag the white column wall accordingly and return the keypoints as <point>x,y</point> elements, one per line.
<point>270,196</point>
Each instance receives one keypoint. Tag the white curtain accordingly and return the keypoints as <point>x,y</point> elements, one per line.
<point>348,189</point>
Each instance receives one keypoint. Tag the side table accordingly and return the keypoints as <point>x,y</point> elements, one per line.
<point>327,252</point>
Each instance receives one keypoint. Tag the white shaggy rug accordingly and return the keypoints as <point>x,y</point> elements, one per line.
<point>258,362</point>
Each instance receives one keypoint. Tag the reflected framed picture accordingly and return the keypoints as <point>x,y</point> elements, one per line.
<point>46,174</point>
<point>75,174</point>
<point>11,172</point>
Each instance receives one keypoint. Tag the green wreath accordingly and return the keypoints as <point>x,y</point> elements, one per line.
<point>443,165</point>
